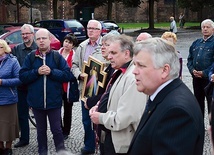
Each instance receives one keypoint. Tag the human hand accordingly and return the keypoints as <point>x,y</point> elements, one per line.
<point>85,102</point>
<point>198,74</point>
<point>44,70</point>
<point>81,76</point>
<point>93,109</point>
<point>95,117</point>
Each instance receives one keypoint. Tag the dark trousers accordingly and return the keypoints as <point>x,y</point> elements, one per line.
<point>54,117</point>
<point>23,110</point>
<point>198,86</point>
<point>89,138</point>
<point>108,146</point>
<point>67,117</point>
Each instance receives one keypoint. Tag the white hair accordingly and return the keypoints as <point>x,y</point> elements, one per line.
<point>209,21</point>
<point>162,53</point>
<point>96,21</point>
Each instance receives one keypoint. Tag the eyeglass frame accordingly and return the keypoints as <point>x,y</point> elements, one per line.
<point>92,28</point>
<point>22,34</point>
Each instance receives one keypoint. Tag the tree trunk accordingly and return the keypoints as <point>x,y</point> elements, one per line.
<point>17,11</point>
<point>55,8</point>
<point>109,13</point>
<point>151,14</point>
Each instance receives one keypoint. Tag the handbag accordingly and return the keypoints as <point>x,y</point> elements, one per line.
<point>74,93</point>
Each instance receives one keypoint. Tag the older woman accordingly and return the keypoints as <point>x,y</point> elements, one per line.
<point>171,37</point>
<point>9,79</point>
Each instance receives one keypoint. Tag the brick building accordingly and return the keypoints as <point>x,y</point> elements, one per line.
<point>163,9</point>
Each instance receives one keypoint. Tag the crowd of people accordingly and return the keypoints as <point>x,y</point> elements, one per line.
<point>143,107</point>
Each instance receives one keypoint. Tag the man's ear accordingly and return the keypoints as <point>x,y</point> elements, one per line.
<point>127,53</point>
<point>166,71</point>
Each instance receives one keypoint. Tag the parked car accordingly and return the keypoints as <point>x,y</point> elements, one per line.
<point>61,27</point>
<point>3,27</point>
<point>13,37</point>
<point>108,25</point>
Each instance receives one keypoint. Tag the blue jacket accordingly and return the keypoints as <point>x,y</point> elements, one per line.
<point>45,92</point>
<point>201,56</point>
<point>9,73</point>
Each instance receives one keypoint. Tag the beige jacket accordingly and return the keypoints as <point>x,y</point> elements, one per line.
<point>125,108</point>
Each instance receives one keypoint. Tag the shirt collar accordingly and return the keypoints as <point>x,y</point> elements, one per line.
<point>207,38</point>
<point>152,97</point>
<point>96,42</point>
<point>39,54</point>
<point>32,46</point>
<point>124,67</point>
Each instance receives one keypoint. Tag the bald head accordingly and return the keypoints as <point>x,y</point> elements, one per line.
<point>143,36</point>
<point>43,40</point>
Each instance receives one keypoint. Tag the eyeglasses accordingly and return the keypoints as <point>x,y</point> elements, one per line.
<point>104,45</point>
<point>42,38</point>
<point>26,33</point>
<point>92,28</point>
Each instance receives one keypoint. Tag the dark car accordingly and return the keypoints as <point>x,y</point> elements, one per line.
<point>61,27</point>
<point>108,25</point>
<point>3,27</point>
<point>13,37</point>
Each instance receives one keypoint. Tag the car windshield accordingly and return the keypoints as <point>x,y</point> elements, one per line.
<point>73,23</point>
<point>13,38</point>
<point>110,24</point>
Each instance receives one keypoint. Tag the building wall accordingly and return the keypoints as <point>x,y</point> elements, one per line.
<point>162,12</point>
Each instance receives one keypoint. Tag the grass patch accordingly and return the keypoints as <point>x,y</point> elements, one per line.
<point>157,25</point>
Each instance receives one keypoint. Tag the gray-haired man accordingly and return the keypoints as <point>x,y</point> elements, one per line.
<point>20,51</point>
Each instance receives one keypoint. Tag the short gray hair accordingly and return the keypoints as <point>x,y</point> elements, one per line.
<point>28,25</point>
<point>96,21</point>
<point>209,21</point>
<point>108,36</point>
<point>162,53</point>
<point>126,42</point>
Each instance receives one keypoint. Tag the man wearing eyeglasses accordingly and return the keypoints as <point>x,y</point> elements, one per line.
<point>44,76</point>
<point>90,47</point>
<point>20,51</point>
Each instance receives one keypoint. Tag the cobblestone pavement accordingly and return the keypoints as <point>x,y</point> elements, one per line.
<point>75,140</point>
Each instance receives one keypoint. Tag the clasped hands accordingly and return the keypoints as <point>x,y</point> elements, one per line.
<point>44,70</point>
<point>198,74</point>
<point>94,114</point>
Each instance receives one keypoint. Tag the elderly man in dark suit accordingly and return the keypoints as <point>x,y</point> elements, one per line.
<point>172,122</point>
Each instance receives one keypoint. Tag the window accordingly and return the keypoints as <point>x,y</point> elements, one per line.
<point>14,38</point>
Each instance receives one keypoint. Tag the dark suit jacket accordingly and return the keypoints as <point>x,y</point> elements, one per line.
<point>173,124</point>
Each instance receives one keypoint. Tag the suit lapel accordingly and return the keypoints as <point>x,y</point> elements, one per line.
<point>158,99</point>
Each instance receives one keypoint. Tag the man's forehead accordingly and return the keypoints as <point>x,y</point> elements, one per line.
<point>92,24</point>
<point>206,24</point>
<point>42,32</point>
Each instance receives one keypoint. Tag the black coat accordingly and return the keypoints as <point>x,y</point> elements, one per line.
<point>173,125</point>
